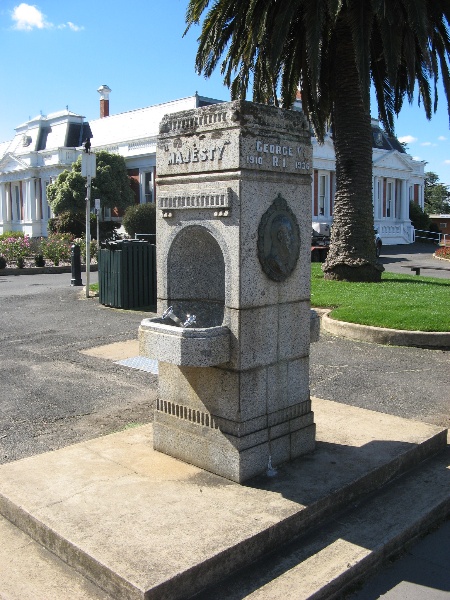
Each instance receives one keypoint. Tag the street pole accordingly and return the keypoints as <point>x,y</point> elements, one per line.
<point>97,212</point>
<point>88,170</point>
<point>88,233</point>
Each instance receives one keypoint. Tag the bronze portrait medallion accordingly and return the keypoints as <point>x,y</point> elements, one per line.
<point>278,240</point>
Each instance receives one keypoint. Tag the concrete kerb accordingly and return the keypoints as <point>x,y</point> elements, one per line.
<point>383,335</point>
<point>43,270</point>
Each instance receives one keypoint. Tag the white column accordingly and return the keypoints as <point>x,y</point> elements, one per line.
<point>32,198</point>
<point>8,202</point>
<point>374,196</point>
<point>37,196</point>
<point>404,212</point>
<point>2,203</point>
<point>13,203</point>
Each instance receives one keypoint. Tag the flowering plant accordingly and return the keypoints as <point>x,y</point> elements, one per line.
<point>56,248</point>
<point>15,249</point>
<point>93,248</point>
<point>443,252</point>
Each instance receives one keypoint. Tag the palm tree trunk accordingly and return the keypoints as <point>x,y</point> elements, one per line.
<point>352,254</point>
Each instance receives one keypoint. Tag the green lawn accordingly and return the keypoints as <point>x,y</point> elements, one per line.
<point>398,302</point>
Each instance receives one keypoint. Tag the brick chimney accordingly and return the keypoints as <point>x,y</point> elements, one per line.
<point>104,92</point>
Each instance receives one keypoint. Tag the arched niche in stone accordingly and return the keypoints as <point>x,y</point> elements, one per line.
<point>196,276</point>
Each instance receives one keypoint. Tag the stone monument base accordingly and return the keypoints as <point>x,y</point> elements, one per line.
<point>194,437</point>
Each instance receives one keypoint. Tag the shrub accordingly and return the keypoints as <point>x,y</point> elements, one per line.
<point>67,222</point>
<point>39,260</point>
<point>140,218</point>
<point>56,248</point>
<point>15,248</point>
<point>107,230</point>
<point>419,218</point>
<point>11,234</point>
<point>75,225</point>
<point>443,252</point>
<point>3,262</point>
<point>93,248</point>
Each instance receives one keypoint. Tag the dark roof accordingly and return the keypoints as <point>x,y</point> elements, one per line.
<point>380,139</point>
<point>77,133</point>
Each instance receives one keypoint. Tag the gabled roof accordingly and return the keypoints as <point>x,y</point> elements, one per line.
<point>394,160</point>
<point>10,162</point>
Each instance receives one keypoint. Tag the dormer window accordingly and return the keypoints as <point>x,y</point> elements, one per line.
<point>378,138</point>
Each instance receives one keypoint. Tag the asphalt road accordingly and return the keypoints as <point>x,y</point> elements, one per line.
<point>51,395</point>
<point>400,259</point>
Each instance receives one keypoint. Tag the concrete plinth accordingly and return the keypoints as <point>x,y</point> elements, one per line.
<point>141,524</point>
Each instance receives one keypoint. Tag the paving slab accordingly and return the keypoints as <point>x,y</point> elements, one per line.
<point>115,351</point>
<point>142,524</point>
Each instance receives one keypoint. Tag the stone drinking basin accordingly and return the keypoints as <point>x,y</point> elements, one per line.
<point>184,346</point>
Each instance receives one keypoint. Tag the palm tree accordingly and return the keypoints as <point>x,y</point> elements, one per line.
<point>333,50</point>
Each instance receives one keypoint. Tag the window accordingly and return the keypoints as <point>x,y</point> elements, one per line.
<point>322,194</point>
<point>323,191</point>
<point>389,198</point>
<point>148,187</point>
<point>18,208</point>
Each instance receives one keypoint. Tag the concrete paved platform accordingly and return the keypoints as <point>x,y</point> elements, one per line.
<point>144,525</point>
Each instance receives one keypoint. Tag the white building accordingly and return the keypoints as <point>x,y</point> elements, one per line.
<point>44,146</point>
<point>397,179</point>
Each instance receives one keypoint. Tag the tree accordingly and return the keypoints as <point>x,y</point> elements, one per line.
<point>437,195</point>
<point>111,184</point>
<point>333,50</point>
<point>140,218</point>
<point>419,218</point>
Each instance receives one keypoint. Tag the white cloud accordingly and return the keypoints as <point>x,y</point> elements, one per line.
<point>417,158</point>
<point>442,138</point>
<point>74,27</point>
<point>407,139</point>
<point>428,144</point>
<point>27,17</point>
<point>446,162</point>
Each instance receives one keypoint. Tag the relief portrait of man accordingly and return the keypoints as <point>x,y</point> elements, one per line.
<point>278,241</point>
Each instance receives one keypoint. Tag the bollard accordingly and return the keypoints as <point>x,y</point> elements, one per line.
<point>76,265</point>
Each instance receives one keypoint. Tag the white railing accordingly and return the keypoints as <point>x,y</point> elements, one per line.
<point>441,239</point>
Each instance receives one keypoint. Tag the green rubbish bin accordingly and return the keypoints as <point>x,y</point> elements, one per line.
<point>127,274</point>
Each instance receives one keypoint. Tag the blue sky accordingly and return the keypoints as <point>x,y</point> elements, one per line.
<point>57,53</point>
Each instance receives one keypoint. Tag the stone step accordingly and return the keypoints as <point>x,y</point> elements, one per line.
<point>140,524</point>
<point>340,554</point>
<point>27,570</point>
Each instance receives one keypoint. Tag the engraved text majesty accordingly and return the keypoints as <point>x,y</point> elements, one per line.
<point>195,154</point>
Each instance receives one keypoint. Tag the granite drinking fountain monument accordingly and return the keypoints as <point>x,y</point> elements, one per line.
<point>160,510</point>
<point>233,255</point>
